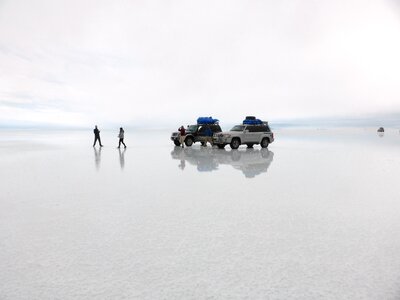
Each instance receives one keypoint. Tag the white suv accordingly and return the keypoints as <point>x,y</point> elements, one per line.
<point>245,134</point>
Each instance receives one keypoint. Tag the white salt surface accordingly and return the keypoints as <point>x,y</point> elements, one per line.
<point>317,216</point>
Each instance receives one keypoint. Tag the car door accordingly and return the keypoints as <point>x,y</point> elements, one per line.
<point>246,135</point>
<point>200,133</point>
<point>253,135</point>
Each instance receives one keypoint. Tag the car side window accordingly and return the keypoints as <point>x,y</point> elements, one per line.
<point>253,128</point>
<point>215,128</point>
<point>261,128</point>
<point>266,128</point>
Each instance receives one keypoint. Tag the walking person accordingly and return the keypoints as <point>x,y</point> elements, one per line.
<point>96,132</point>
<point>121,137</point>
<point>182,135</point>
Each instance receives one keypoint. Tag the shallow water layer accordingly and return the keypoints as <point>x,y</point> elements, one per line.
<point>315,216</point>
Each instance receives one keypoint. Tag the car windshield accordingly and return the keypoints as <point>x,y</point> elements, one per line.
<point>192,128</point>
<point>238,128</point>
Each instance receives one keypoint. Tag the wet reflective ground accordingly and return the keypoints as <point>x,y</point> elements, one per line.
<point>315,216</point>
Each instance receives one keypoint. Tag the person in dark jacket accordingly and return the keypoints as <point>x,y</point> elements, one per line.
<point>96,132</point>
<point>182,135</point>
<point>208,136</point>
<point>121,137</point>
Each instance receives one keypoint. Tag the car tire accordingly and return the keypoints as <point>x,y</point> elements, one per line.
<point>250,145</point>
<point>235,143</point>
<point>221,146</point>
<point>189,141</point>
<point>177,143</point>
<point>264,143</point>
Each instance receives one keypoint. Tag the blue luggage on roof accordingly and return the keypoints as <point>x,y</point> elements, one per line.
<point>252,122</point>
<point>207,120</point>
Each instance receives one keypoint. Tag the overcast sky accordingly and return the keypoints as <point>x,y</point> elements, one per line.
<point>126,62</point>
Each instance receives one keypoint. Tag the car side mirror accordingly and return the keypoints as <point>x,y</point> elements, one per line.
<point>246,131</point>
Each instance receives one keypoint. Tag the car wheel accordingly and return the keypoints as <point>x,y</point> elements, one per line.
<point>235,143</point>
<point>250,145</point>
<point>221,146</point>
<point>264,143</point>
<point>177,143</point>
<point>189,141</point>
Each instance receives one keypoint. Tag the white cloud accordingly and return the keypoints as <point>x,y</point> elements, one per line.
<point>129,61</point>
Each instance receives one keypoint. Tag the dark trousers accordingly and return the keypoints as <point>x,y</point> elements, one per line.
<point>97,138</point>
<point>121,141</point>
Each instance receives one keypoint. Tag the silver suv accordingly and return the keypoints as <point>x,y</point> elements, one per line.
<point>245,134</point>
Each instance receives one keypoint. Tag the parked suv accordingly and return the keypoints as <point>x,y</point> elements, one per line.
<point>248,134</point>
<point>195,133</point>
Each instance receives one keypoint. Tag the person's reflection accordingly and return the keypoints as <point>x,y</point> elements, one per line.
<point>122,158</point>
<point>182,165</point>
<point>206,160</point>
<point>97,157</point>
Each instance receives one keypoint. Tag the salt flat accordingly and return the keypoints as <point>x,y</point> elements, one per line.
<point>317,216</point>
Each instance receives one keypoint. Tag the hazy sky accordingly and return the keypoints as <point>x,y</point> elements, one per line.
<point>125,62</point>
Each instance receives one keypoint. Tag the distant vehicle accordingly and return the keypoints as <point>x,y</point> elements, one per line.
<point>381,129</point>
<point>252,132</point>
<point>195,133</point>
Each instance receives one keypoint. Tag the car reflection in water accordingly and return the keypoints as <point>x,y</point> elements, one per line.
<point>251,162</point>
